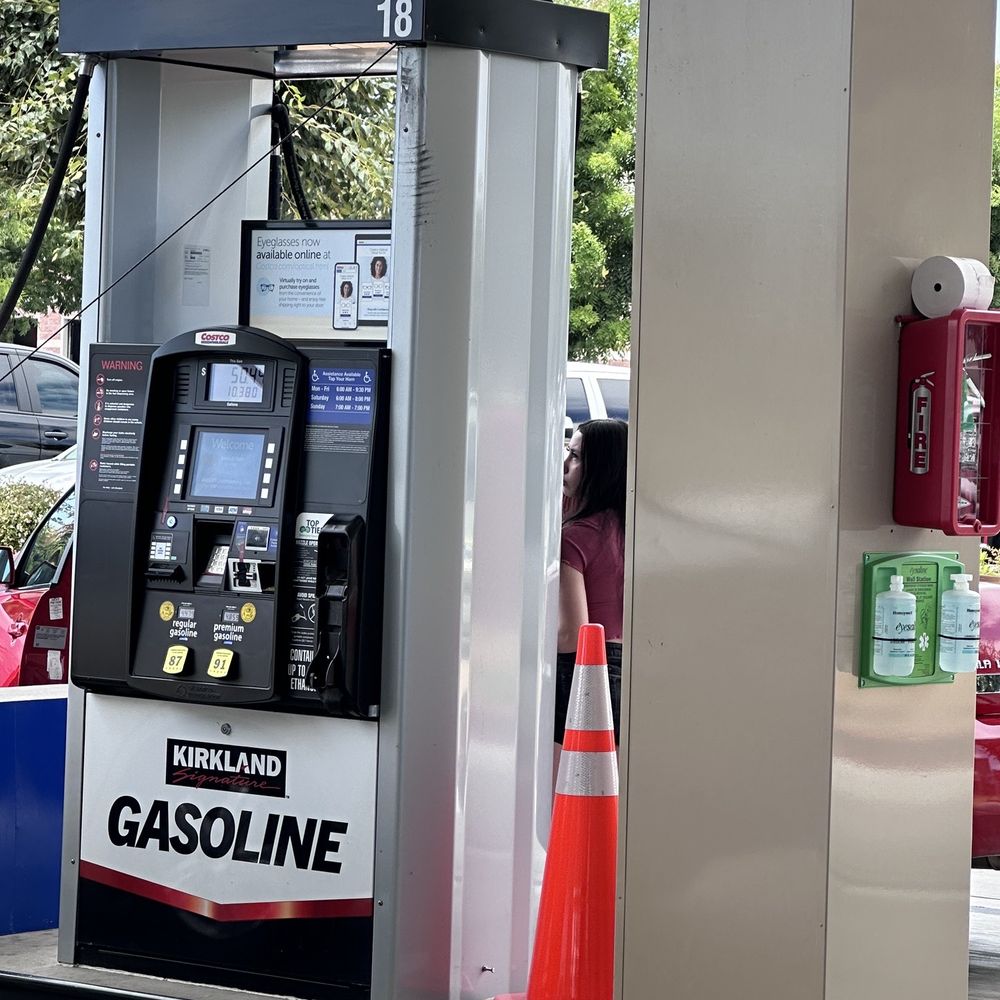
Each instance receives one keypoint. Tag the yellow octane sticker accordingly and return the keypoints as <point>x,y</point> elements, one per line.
<point>222,660</point>
<point>248,612</point>
<point>176,658</point>
<point>167,610</point>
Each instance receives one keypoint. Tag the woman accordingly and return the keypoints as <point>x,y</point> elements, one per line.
<point>592,560</point>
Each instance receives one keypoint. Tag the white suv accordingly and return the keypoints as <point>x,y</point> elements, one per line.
<point>594,391</point>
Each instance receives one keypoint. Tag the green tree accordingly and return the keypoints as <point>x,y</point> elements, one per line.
<point>344,152</point>
<point>604,195</point>
<point>36,92</point>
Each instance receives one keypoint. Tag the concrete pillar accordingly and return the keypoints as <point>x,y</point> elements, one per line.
<point>788,836</point>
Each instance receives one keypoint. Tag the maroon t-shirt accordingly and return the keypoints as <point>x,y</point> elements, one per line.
<point>595,547</point>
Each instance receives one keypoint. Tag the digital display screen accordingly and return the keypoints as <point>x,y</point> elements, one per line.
<point>341,395</point>
<point>235,383</point>
<point>226,464</point>
<point>373,254</point>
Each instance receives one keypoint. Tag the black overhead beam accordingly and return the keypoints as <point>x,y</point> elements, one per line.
<point>537,29</point>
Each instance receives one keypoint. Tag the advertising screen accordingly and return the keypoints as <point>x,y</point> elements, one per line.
<point>317,279</point>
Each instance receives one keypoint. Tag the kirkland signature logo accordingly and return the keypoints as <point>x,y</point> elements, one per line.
<point>226,768</point>
<point>215,338</point>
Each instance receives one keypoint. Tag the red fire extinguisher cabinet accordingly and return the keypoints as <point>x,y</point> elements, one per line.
<point>947,450</point>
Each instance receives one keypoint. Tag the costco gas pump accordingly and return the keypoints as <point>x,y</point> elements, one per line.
<point>317,554</point>
<point>245,451</point>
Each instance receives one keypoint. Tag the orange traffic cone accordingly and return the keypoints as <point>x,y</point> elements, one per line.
<point>573,957</point>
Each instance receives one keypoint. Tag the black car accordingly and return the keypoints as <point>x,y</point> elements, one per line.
<point>38,399</point>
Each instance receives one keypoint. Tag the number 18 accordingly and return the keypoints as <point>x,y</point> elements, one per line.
<point>402,25</point>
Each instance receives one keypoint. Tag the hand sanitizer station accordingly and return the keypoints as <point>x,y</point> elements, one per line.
<point>317,557</point>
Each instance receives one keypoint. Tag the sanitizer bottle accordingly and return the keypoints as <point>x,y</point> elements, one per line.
<point>895,631</point>
<point>958,643</point>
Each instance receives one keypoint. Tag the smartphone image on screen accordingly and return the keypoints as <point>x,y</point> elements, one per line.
<point>345,296</point>
<point>372,251</point>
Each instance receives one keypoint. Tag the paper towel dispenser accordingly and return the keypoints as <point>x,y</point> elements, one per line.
<point>940,285</point>
<point>947,449</point>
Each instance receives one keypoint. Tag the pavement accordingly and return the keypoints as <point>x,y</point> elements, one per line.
<point>35,955</point>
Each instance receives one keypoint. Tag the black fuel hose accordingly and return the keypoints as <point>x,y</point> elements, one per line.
<point>70,134</point>
<point>274,174</point>
<point>279,115</point>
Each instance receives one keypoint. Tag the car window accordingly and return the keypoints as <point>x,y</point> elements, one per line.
<point>615,393</point>
<point>40,560</point>
<point>8,393</point>
<point>56,386</point>
<point>576,401</point>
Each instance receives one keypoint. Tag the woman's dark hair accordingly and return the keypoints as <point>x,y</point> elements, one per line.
<point>604,457</point>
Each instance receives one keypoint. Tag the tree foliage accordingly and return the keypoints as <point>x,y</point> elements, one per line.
<point>344,145</point>
<point>604,195</point>
<point>22,506</point>
<point>36,93</point>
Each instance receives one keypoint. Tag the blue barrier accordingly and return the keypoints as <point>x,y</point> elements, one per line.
<point>32,761</point>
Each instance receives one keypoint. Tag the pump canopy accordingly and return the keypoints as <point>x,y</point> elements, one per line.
<point>538,29</point>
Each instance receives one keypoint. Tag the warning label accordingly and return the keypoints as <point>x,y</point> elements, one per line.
<point>302,631</point>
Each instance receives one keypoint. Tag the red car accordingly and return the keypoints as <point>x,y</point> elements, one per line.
<point>35,592</point>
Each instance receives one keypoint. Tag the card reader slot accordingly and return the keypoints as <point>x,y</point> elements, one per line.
<point>174,573</point>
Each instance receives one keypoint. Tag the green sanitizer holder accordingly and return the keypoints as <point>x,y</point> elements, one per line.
<point>925,575</point>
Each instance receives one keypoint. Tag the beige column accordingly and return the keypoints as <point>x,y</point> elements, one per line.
<point>786,835</point>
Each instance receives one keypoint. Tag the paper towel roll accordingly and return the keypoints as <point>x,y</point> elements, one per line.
<point>943,284</point>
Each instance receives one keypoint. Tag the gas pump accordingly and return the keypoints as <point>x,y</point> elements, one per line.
<point>254,506</point>
<point>239,430</point>
<point>317,550</point>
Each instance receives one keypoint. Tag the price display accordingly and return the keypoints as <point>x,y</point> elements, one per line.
<point>229,383</point>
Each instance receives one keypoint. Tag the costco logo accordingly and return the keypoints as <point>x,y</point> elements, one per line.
<point>214,338</point>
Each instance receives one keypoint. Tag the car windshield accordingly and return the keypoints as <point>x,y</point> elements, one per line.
<point>41,558</point>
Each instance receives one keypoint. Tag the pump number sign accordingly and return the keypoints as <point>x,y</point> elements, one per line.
<point>398,18</point>
<point>117,26</point>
